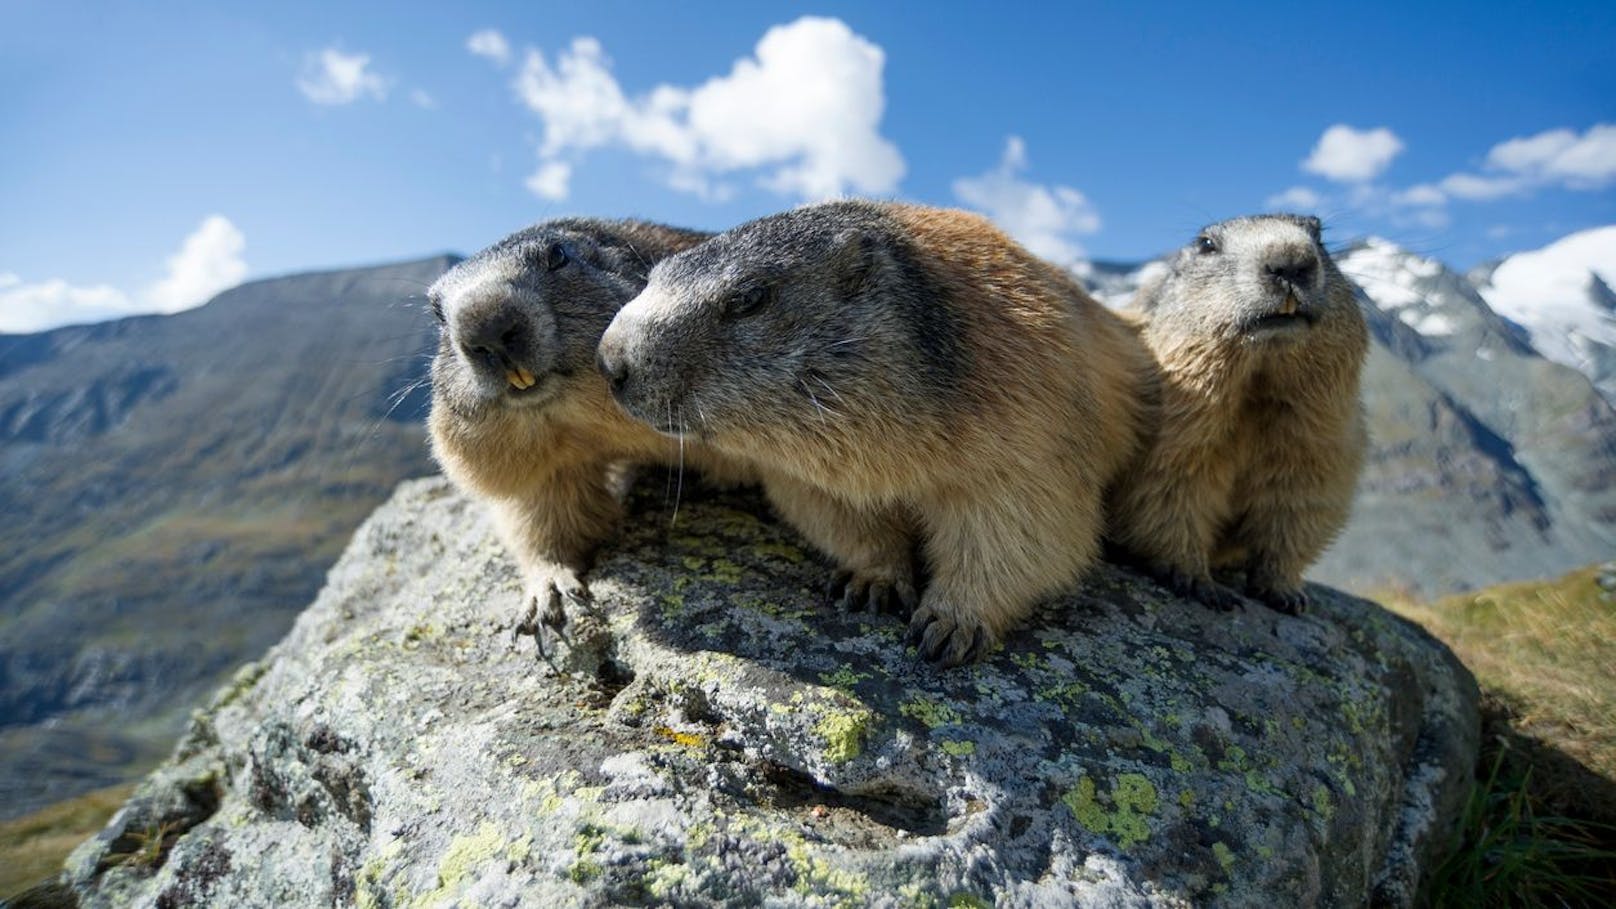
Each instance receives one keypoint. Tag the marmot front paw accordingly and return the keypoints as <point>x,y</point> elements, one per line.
<point>852,591</point>
<point>947,638</point>
<point>547,605</point>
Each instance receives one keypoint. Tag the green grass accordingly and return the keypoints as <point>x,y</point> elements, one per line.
<point>33,847</point>
<point>1540,826</point>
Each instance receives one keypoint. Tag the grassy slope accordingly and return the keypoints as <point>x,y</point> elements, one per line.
<point>1542,824</point>
<point>33,847</point>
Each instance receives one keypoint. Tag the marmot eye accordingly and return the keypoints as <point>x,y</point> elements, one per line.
<point>555,257</point>
<point>1205,245</point>
<point>748,302</point>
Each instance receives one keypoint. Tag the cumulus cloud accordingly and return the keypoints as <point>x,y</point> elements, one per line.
<point>1560,156</point>
<point>1297,198</point>
<point>802,114</point>
<point>551,181</point>
<point>1348,155</point>
<point>208,261</point>
<point>34,307</point>
<point>491,44</point>
<point>333,77</point>
<point>1042,218</point>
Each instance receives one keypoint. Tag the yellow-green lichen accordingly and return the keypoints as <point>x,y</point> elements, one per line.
<point>843,732</point>
<point>958,748</point>
<point>843,678</point>
<point>780,551</point>
<point>840,886</point>
<point>465,855</point>
<point>1322,803</point>
<point>1134,799</point>
<point>931,713</point>
<point>1224,855</point>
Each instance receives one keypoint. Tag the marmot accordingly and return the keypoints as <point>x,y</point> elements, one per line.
<point>1260,344</point>
<point>521,418</point>
<point>902,371</point>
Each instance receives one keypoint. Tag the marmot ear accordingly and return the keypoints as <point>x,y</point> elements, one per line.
<point>1315,227</point>
<point>857,258</point>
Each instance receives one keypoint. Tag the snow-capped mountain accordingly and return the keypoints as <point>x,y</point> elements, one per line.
<point>1561,294</point>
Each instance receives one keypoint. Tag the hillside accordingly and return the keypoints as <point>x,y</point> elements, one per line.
<point>175,488</point>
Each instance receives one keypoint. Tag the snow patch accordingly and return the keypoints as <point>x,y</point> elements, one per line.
<point>1546,291</point>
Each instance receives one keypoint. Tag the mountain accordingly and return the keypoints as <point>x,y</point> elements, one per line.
<point>1488,461</point>
<point>174,490</point>
<point>1561,295</point>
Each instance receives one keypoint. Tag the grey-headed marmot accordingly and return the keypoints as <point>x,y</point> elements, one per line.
<point>904,371</point>
<point>521,418</point>
<point>1260,344</point>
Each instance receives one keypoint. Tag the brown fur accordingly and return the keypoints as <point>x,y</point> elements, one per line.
<point>997,460</point>
<point>552,472</point>
<point>1261,436</point>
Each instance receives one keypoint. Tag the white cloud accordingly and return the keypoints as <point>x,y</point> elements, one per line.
<point>1470,186</point>
<point>1297,198</point>
<point>551,180</point>
<point>1560,156</point>
<point>423,100</point>
<point>333,77</point>
<point>1423,194</point>
<point>208,261</point>
<point>47,304</point>
<point>1042,218</point>
<point>1349,155</point>
<point>804,112</point>
<point>491,44</point>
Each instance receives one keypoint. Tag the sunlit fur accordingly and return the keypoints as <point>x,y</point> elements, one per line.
<point>912,372</point>
<point>1261,433</point>
<point>548,461</point>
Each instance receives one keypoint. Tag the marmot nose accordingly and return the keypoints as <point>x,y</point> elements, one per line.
<point>1293,271</point>
<point>492,338</point>
<point>615,369</point>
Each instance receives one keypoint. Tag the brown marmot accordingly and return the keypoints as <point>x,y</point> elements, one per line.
<point>904,371</point>
<point>1260,344</point>
<point>521,418</point>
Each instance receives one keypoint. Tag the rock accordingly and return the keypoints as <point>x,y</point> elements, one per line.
<point>726,739</point>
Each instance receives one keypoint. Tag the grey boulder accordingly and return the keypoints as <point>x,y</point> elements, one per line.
<point>714,734</point>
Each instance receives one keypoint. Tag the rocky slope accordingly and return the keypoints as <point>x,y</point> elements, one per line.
<point>174,489</point>
<point>725,739</point>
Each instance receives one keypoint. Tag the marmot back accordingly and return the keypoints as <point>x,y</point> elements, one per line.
<point>1260,344</point>
<point>897,371</point>
<point>520,417</point>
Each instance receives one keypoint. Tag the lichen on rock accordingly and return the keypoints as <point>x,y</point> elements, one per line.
<point>714,734</point>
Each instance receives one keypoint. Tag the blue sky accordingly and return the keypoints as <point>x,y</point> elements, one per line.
<point>153,153</point>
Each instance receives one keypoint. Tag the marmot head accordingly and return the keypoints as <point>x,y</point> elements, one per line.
<point>818,319</point>
<point>1263,279</point>
<point>523,316</point>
